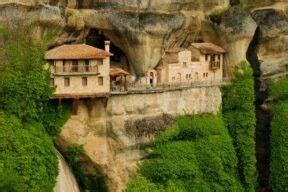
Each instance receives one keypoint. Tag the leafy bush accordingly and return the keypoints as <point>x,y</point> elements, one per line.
<point>24,84</point>
<point>88,182</point>
<point>54,116</point>
<point>27,151</point>
<point>196,154</point>
<point>279,136</point>
<point>240,118</point>
<point>10,183</point>
<point>141,184</point>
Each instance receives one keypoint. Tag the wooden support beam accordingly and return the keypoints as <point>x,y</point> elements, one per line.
<point>75,107</point>
<point>106,102</point>
<point>126,88</point>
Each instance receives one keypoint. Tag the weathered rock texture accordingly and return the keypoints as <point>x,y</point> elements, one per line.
<point>108,137</point>
<point>143,29</point>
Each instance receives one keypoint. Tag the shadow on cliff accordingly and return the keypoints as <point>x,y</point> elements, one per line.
<point>263,116</point>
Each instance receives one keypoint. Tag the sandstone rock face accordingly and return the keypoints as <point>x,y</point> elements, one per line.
<point>111,144</point>
<point>273,45</point>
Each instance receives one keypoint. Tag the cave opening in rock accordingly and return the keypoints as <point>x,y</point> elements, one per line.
<point>263,115</point>
<point>96,38</point>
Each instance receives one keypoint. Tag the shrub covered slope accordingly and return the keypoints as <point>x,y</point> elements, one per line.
<point>240,118</point>
<point>279,136</point>
<point>27,152</point>
<point>195,155</point>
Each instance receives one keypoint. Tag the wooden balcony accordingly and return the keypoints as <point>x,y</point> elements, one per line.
<point>214,65</point>
<point>76,70</point>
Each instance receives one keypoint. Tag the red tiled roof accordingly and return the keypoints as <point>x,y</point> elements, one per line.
<point>117,72</point>
<point>76,51</point>
<point>208,48</point>
<point>170,59</point>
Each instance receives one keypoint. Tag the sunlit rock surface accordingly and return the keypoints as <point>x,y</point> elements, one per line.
<point>66,181</point>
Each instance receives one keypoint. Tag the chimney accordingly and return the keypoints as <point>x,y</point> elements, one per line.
<point>107,46</point>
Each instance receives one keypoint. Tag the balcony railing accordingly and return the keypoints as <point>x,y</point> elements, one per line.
<point>140,88</point>
<point>214,65</point>
<point>76,70</point>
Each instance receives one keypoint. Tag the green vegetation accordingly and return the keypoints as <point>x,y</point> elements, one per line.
<point>196,154</point>
<point>27,151</point>
<point>279,136</point>
<point>54,116</point>
<point>88,182</point>
<point>240,118</point>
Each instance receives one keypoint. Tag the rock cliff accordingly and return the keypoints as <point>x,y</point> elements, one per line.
<point>115,138</point>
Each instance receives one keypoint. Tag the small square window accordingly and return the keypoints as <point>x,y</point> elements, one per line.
<point>84,81</point>
<point>75,66</point>
<point>51,63</point>
<point>87,65</point>
<point>52,82</point>
<point>65,66</point>
<point>100,62</point>
<point>66,82</point>
<point>100,81</point>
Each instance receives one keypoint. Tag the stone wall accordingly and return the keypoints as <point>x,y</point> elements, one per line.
<point>103,131</point>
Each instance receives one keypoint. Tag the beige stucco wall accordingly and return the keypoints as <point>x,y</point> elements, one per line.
<point>76,86</point>
<point>104,137</point>
<point>177,72</point>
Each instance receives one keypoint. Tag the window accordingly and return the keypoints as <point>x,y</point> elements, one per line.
<point>219,57</point>
<point>87,66</point>
<point>52,82</point>
<point>173,78</point>
<point>74,65</point>
<point>51,63</point>
<point>206,74</point>
<point>100,81</point>
<point>187,76</point>
<point>66,82</point>
<point>212,57</point>
<point>206,57</point>
<point>100,62</point>
<point>84,81</point>
<point>65,66</point>
<point>184,64</point>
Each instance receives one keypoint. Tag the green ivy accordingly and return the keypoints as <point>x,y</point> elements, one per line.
<point>26,150</point>
<point>88,182</point>
<point>55,115</point>
<point>240,118</point>
<point>279,136</point>
<point>196,154</point>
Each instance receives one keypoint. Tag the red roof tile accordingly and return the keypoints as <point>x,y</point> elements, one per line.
<point>76,51</point>
<point>117,72</point>
<point>208,48</point>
